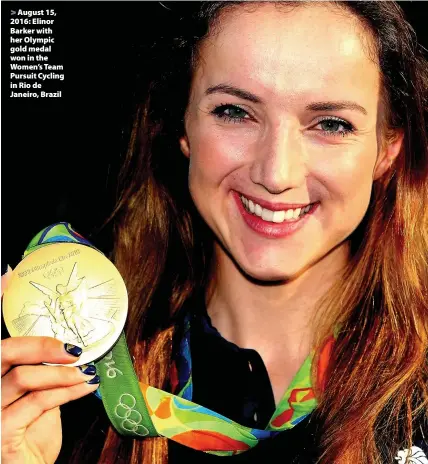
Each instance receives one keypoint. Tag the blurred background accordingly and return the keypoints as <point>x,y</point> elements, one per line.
<point>60,157</point>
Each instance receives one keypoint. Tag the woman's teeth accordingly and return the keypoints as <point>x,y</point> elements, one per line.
<point>274,216</point>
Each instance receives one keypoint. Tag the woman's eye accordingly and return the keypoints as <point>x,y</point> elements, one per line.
<point>333,126</point>
<point>231,113</point>
<point>330,126</point>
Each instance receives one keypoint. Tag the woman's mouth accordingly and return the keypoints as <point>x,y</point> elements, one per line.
<point>273,220</point>
<point>288,215</point>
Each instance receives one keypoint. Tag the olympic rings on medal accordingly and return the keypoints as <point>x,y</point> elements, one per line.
<point>131,417</point>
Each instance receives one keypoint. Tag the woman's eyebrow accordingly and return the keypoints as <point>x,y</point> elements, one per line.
<point>235,91</point>
<point>318,106</point>
<point>336,106</point>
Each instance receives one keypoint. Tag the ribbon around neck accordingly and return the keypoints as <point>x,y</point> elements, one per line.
<point>140,410</point>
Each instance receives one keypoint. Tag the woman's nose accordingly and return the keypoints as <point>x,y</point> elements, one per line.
<point>280,161</point>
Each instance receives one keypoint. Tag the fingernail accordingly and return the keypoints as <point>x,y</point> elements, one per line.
<point>88,369</point>
<point>73,349</point>
<point>93,381</point>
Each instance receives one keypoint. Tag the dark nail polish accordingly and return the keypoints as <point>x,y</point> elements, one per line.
<point>93,381</point>
<point>73,349</point>
<point>88,369</point>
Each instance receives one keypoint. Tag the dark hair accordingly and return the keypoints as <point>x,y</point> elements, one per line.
<point>156,225</point>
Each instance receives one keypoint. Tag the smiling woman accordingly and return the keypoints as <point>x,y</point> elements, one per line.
<point>272,234</point>
<point>301,160</point>
<point>275,126</point>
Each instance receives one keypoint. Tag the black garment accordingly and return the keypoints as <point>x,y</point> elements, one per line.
<point>234,382</point>
<point>227,379</point>
<point>231,381</point>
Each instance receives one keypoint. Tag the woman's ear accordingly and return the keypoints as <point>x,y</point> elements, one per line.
<point>389,152</point>
<point>184,146</point>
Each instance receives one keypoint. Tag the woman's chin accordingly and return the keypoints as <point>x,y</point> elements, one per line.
<point>271,275</point>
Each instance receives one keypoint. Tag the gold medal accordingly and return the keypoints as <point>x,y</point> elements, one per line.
<point>71,292</point>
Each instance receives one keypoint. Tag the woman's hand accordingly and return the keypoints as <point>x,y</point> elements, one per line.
<point>31,394</point>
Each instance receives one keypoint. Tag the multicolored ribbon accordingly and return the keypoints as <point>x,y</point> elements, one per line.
<point>149,411</point>
<point>62,232</point>
<point>139,410</point>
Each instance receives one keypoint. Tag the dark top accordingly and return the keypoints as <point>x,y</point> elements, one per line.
<point>231,381</point>
<point>234,382</point>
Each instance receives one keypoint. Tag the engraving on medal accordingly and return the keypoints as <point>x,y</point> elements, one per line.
<point>70,292</point>
<point>70,309</point>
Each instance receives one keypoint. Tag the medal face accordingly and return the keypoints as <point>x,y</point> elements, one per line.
<point>70,292</point>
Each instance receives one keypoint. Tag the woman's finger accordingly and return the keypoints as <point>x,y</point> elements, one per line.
<point>27,409</point>
<point>36,350</point>
<point>23,379</point>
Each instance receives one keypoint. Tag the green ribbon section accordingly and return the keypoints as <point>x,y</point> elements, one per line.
<point>121,393</point>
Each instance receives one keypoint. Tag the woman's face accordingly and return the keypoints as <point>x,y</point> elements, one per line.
<point>281,135</point>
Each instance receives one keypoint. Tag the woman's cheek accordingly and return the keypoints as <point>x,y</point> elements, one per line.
<point>345,171</point>
<point>349,185</point>
<point>217,153</point>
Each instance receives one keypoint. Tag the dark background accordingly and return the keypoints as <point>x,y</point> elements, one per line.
<point>60,156</point>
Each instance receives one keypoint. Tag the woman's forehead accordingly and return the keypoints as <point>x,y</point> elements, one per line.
<point>303,50</point>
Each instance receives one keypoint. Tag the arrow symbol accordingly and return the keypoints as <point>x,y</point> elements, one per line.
<point>13,12</point>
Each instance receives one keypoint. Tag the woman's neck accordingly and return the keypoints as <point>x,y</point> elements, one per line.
<point>276,320</point>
